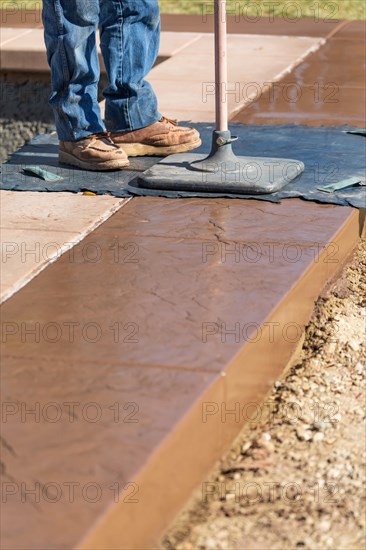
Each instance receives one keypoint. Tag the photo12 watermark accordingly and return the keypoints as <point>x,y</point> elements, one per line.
<point>69,412</point>
<point>21,11</point>
<point>71,492</point>
<point>222,251</point>
<point>252,332</point>
<point>70,331</point>
<point>250,11</point>
<point>237,93</point>
<point>319,415</point>
<point>118,252</point>
<point>252,492</point>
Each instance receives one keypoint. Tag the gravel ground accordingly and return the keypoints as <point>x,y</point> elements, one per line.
<point>297,479</point>
<point>24,110</point>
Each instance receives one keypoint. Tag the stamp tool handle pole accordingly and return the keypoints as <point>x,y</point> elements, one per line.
<point>221,65</point>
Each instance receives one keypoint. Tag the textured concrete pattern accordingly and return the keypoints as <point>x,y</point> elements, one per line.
<point>37,228</point>
<point>165,313</point>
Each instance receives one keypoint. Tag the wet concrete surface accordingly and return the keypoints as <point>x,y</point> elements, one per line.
<point>328,88</point>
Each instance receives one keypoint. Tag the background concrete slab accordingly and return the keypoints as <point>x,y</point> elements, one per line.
<point>36,228</point>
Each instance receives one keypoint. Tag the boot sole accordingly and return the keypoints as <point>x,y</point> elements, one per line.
<point>67,158</point>
<point>141,150</point>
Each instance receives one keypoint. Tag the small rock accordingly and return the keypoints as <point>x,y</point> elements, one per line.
<point>260,454</point>
<point>359,368</point>
<point>246,447</point>
<point>269,447</point>
<point>320,425</point>
<point>334,473</point>
<point>331,348</point>
<point>303,434</point>
<point>325,525</point>
<point>306,418</point>
<point>355,346</point>
<point>318,437</point>
<point>336,418</point>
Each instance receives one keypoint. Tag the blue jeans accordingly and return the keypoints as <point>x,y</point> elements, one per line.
<point>129,39</point>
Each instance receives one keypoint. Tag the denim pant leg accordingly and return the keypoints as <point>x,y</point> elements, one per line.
<point>130,38</point>
<point>69,30</point>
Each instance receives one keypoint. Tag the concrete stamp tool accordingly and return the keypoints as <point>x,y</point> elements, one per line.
<point>221,171</point>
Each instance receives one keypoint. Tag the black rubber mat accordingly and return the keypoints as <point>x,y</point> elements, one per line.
<point>330,154</point>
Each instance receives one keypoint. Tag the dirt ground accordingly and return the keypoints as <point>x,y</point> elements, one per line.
<point>297,480</point>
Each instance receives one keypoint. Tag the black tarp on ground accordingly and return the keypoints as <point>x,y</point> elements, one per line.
<point>330,154</point>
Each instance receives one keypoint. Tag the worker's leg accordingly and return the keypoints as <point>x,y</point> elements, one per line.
<point>69,27</point>
<point>130,35</point>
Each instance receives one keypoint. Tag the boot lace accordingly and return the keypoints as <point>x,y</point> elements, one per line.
<point>169,120</point>
<point>104,136</point>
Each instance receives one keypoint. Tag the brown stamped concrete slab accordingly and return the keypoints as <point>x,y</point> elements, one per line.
<point>243,24</point>
<point>16,16</point>
<point>160,287</point>
<point>104,453</point>
<point>354,30</point>
<point>328,88</point>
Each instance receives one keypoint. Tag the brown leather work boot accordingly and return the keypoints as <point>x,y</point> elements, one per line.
<point>94,152</point>
<point>162,138</point>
